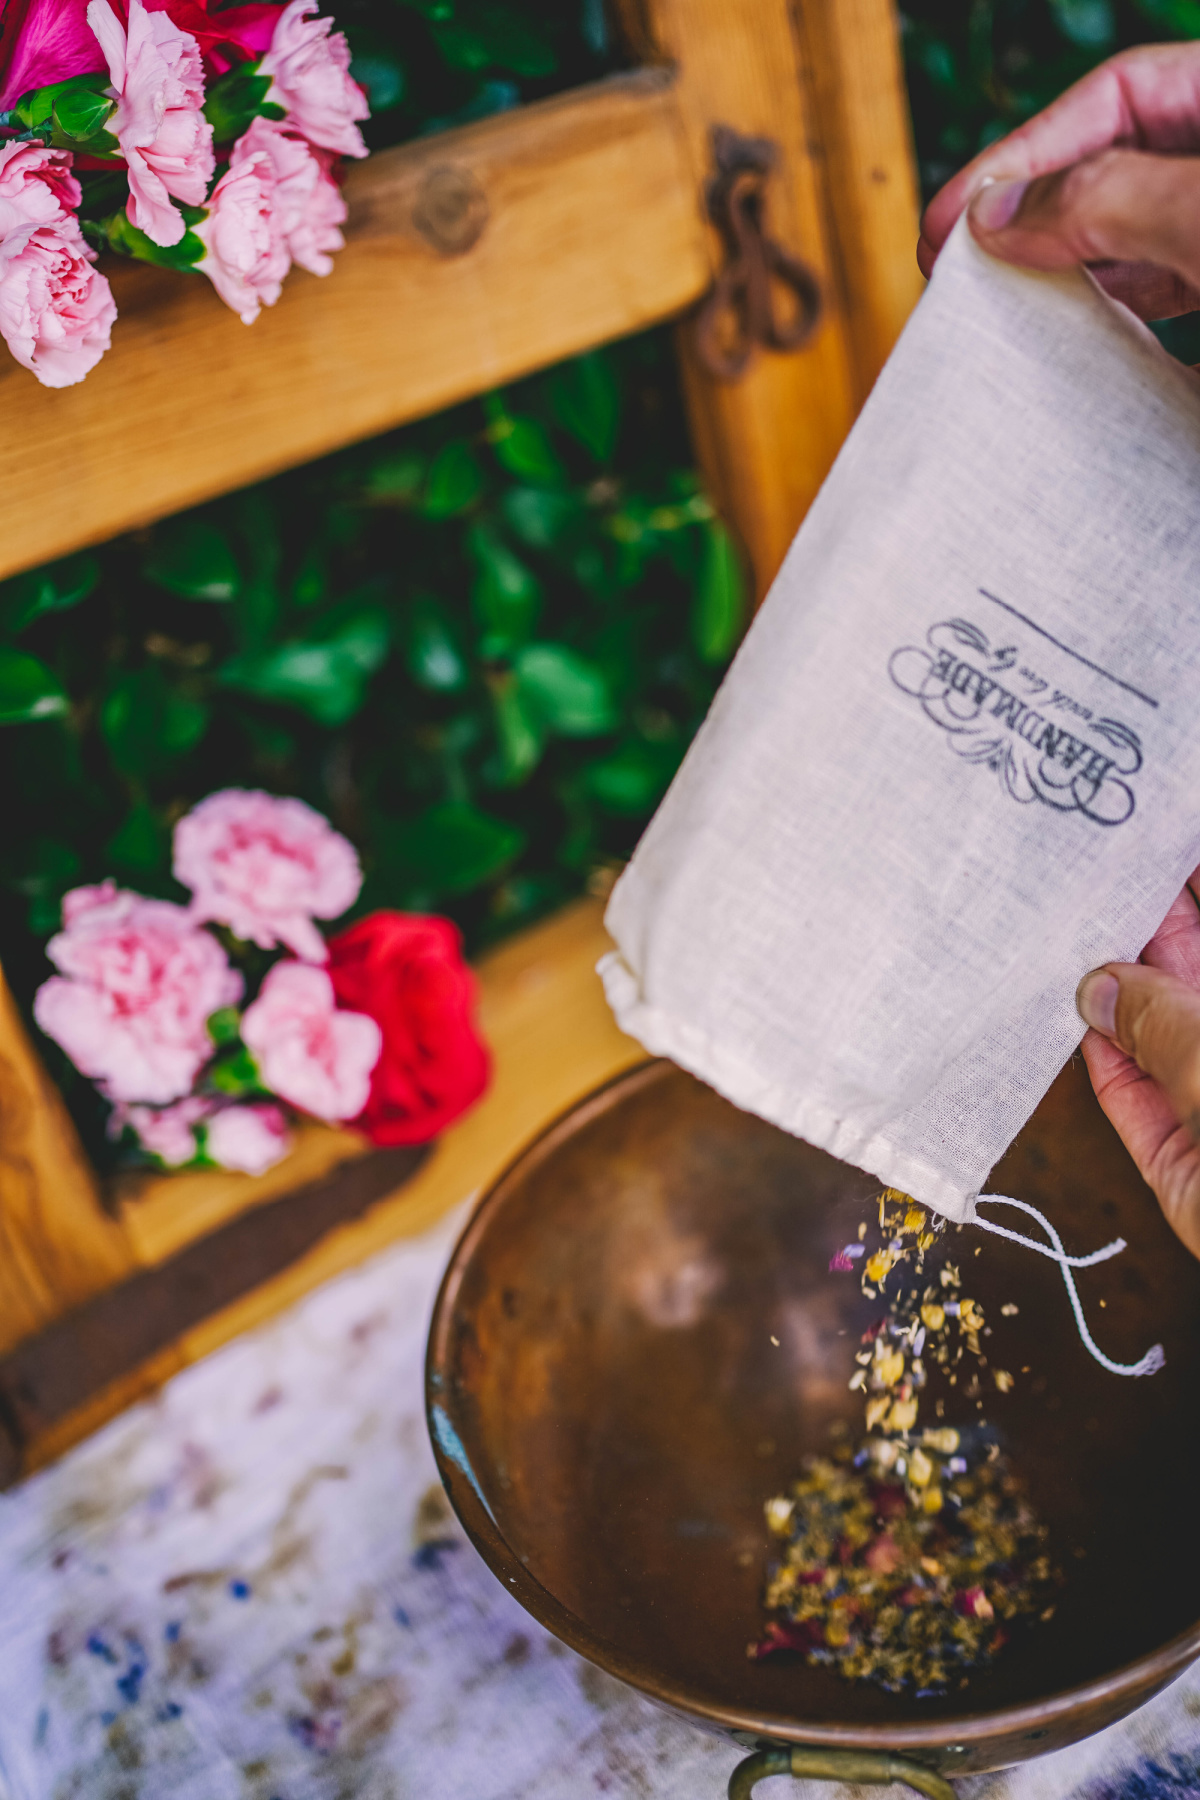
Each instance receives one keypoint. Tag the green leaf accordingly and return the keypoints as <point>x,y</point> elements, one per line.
<point>72,113</point>
<point>81,113</point>
<point>375,65</point>
<point>720,601</point>
<point>431,652</point>
<point>455,482</point>
<point>147,723</point>
<point>53,588</point>
<point>28,689</point>
<point>451,848</point>
<point>236,98</point>
<point>521,445</point>
<point>326,677</point>
<point>192,557</point>
<point>520,731</point>
<point>139,843</point>
<point>539,516</point>
<point>1089,23</point>
<point>587,402</point>
<point>506,594</point>
<point>224,1025</point>
<point>1179,17</point>
<point>129,241</point>
<point>631,780</point>
<point>497,37</point>
<point>235,1072</point>
<point>395,477</point>
<point>568,693</point>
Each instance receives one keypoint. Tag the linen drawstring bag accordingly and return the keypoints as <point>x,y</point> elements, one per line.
<point>956,762</point>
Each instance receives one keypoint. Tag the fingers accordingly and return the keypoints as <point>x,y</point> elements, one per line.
<point>1147,98</point>
<point>1123,206</point>
<point>1155,1018</point>
<point>1165,1153</point>
<point>1175,946</point>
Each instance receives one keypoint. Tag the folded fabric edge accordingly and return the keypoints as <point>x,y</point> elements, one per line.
<point>737,1081</point>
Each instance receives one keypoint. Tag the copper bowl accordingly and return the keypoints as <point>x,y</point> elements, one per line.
<point>610,1409</point>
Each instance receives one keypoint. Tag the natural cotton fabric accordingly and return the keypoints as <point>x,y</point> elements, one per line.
<point>956,763</point>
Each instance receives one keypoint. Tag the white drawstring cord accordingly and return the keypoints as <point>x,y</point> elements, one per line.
<point>1153,1359</point>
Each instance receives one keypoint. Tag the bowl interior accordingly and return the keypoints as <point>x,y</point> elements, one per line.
<point>639,1341</point>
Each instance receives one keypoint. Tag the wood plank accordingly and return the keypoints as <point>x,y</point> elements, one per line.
<point>766,441</point>
<point>553,1039</point>
<point>591,230</point>
<point>57,1244</point>
<point>854,70</point>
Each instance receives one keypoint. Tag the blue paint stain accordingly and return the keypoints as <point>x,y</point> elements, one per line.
<point>172,1630</point>
<point>171,1710</point>
<point>129,1685</point>
<point>98,1647</point>
<point>430,1555</point>
<point>451,1447</point>
<point>41,1728</point>
<point>402,1618</point>
<point>240,1590</point>
<point>1176,1779</point>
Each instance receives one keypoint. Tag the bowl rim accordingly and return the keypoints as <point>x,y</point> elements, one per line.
<point>1132,1682</point>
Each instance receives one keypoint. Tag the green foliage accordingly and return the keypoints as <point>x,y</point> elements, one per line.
<point>118,234</point>
<point>71,114</point>
<point>235,99</point>
<point>480,645</point>
<point>977,68</point>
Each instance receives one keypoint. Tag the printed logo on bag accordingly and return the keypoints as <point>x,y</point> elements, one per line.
<point>998,708</point>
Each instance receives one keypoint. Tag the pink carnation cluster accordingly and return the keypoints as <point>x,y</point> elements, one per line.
<point>139,982</point>
<point>277,203</point>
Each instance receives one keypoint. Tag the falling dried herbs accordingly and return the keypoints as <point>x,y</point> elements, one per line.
<point>908,1560</point>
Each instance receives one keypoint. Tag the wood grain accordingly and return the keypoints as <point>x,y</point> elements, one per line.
<point>57,1244</point>
<point>767,441</point>
<point>553,1039</point>
<point>592,230</point>
<point>853,69</point>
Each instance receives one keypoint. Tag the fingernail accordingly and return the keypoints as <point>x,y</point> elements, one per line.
<point>1097,1001</point>
<point>996,204</point>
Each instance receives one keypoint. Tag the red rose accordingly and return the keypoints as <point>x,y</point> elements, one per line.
<point>408,974</point>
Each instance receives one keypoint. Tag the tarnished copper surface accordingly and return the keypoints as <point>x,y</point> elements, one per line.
<point>610,1411</point>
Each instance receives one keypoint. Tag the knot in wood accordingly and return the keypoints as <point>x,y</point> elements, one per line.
<point>451,212</point>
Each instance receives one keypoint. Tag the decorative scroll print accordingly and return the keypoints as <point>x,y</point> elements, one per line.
<point>1075,762</point>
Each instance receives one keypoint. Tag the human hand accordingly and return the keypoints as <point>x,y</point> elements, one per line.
<point>1143,1055</point>
<point>1108,175</point>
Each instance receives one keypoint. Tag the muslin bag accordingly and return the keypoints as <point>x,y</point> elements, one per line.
<point>956,763</point>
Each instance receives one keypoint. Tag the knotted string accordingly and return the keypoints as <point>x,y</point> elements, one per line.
<point>1153,1359</point>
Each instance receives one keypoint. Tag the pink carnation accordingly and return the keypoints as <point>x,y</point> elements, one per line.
<point>309,66</point>
<point>308,202</point>
<point>251,1139</point>
<point>266,868</point>
<point>308,1052</point>
<point>36,186</point>
<point>138,981</point>
<point>56,309</point>
<point>246,255</point>
<point>166,1132</point>
<point>167,142</point>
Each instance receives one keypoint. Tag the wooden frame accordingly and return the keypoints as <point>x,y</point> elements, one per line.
<point>580,219</point>
<point>473,258</point>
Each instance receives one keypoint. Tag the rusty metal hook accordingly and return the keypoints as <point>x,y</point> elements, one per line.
<point>743,290</point>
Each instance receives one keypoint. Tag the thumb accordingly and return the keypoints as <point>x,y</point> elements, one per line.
<point>1155,1019</point>
<point>1121,206</point>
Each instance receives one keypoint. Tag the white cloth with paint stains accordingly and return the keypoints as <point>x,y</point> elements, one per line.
<point>956,763</point>
<point>251,1589</point>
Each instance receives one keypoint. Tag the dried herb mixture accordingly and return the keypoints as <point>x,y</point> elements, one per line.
<point>906,1561</point>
